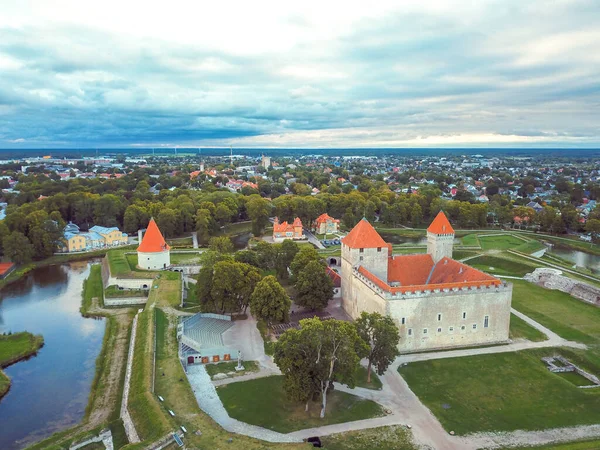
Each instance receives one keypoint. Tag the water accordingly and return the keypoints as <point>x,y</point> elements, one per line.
<point>580,258</point>
<point>49,391</point>
<point>240,241</point>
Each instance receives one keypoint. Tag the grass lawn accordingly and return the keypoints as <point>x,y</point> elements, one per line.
<point>460,254</point>
<point>503,392</point>
<point>519,329</point>
<point>14,347</point>
<point>499,242</point>
<point>530,247</point>
<point>263,402</point>
<point>361,379</point>
<point>393,437</point>
<point>579,445</point>
<point>115,292</point>
<point>226,367</point>
<point>470,240</point>
<point>118,262</point>
<point>185,258</point>
<point>92,287</point>
<point>178,396</point>
<point>568,317</point>
<point>501,266</point>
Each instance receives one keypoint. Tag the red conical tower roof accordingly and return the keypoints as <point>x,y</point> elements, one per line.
<point>153,240</point>
<point>440,225</point>
<point>363,235</point>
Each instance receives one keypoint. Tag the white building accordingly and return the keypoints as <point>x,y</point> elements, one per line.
<point>153,252</point>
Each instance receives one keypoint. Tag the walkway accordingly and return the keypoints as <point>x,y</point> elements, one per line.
<point>210,403</point>
<point>130,430</point>
<point>313,240</point>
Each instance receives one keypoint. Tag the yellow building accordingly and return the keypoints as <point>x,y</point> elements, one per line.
<point>97,237</point>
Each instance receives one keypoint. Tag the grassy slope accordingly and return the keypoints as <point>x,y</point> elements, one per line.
<point>263,402</point>
<point>499,242</point>
<point>92,287</point>
<point>501,266</point>
<point>382,438</point>
<point>13,348</point>
<point>361,379</point>
<point>501,392</point>
<point>519,329</point>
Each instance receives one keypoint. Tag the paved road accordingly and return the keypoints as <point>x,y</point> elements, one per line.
<point>313,239</point>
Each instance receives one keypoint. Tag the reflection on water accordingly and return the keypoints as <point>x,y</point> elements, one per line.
<point>49,391</point>
<point>577,257</point>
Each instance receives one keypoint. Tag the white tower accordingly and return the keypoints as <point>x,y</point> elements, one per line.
<point>440,238</point>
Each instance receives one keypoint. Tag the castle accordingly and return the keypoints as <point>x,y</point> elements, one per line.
<point>436,302</point>
<point>153,252</point>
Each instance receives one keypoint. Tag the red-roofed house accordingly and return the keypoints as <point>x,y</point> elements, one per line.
<point>325,224</point>
<point>153,252</point>
<point>5,269</point>
<point>285,230</point>
<point>436,302</point>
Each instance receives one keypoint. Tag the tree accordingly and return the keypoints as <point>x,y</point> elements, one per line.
<point>203,220</point>
<point>286,251</point>
<point>315,356</point>
<point>313,286</point>
<point>221,244</point>
<point>266,255</point>
<point>169,222</point>
<point>302,258</point>
<point>232,285</point>
<point>18,248</point>
<point>223,214</point>
<point>269,301</point>
<point>381,334</point>
<point>258,211</point>
<point>247,256</point>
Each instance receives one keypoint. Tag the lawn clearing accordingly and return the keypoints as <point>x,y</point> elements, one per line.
<point>503,392</point>
<point>519,329</point>
<point>500,266</point>
<point>500,242</point>
<point>185,258</point>
<point>568,317</point>
<point>118,263</point>
<point>361,379</point>
<point>227,367</point>
<point>470,240</point>
<point>394,437</point>
<point>263,402</point>
<point>530,247</point>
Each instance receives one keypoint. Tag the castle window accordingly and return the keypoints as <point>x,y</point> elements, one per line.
<point>486,321</point>
<point>464,315</point>
<point>462,327</point>
<point>474,326</point>
<point>424,330</point>
<point>362,250</point>
<point>379,249</point>
<point>439,330</point>
<point>361,258</point>
<point>439,317</point>
<point>410,331</point>
<point>451,329</point>
<point>404,320</point>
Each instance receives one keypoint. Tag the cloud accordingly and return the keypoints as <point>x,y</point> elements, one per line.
<point>435,73</point>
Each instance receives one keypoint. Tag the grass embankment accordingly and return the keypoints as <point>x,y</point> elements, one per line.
<point>13,348</point>
<point>92,288</point>
<point>114,292</point>
<point>361,379</point>
<point>502,242</point>
<point>393,437</point>
<point>263,402</point>
<point>470,240</point>
<point>530,247</point>
<point>171,384</point>
<point>519,329</point>
<point>495,265</point>
<point>503,392</point>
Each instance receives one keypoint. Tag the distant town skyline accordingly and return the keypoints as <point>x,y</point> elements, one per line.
<point>310,75</point>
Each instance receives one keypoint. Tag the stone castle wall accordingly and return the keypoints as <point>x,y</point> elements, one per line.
<point>554,279</point>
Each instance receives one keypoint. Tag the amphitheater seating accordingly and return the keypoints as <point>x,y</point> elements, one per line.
<point>206,331</point>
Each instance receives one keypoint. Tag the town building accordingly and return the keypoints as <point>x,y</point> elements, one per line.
<point>153,253</point>
<point>284,230</point>
<point>75,240</point>
<point>325,224</point>
<point>265,161</point>
<point>436,302</point>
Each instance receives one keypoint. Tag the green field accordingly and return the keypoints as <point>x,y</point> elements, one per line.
<point>361,379</point>
<point>263,402</point>
<point>519,329</point>
<point>394,437</point>
<point>500,266</point>
<point>499,242</point>
<point>14,347</point>
<point>470,240</point>
<point>118,263</point>
<point>461,254</point>
<point>568,317</point>
<point>530,247</point>
<point>185,258</point>
<point>503,392</point>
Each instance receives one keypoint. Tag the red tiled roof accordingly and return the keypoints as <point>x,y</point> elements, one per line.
<point>363,235</point>
<point>335,277</point>
<point>284,226</point>
<point>153,240</point>
<point>5,267</point>
<point>297,222</point>
<point>323,218</point>
<point>440,225</point>
<point>450,271</point>
<point>409,269</point>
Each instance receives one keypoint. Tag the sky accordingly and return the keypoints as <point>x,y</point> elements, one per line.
<point>130,74</point>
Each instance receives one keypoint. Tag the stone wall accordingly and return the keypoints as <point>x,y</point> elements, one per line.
<point>125,301</point>
<point>554,279</point>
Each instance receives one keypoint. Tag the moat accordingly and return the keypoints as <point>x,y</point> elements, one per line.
<point>49,391</point>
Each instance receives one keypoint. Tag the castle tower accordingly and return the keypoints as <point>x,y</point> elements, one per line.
<point>440,238</point>
<point>362,247</point>
<point>153,252</point>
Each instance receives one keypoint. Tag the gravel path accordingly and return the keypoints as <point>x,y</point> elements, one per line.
<point>210,403</point>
